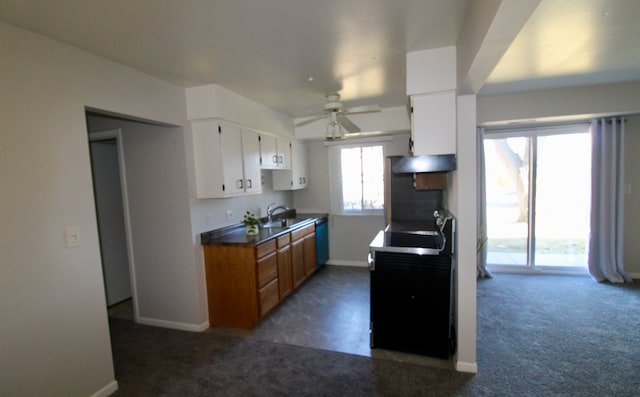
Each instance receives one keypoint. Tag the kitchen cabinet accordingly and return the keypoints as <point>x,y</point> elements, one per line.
<point>242,283</point>
<point>309,254</point>
<point>296,177</point>
<point>303,251</point>
<point>226,158</point>
<point>246,282</point>
<point>433,123</point>
<point>275,152</point>
<point>285,280</point>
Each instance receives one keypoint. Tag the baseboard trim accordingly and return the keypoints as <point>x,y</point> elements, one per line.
<point>106,391</point>
<point>174,324</point>
<point>471,368</point>
<point>634,276</point>
<point>335,262</point>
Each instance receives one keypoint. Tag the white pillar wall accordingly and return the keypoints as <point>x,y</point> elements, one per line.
<point>462,201</point>
<point>434,71</point>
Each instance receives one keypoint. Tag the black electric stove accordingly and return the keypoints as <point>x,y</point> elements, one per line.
<point>412,270</point>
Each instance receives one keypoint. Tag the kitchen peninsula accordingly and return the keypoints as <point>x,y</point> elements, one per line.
<point>247,276</point>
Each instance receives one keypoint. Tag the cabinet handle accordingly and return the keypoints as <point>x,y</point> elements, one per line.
<point>274,159</point>
<point>240,184</point>
<point>249,185</point>
<point>280,159</point>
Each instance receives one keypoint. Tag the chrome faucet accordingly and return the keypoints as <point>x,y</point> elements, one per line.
<point>271,210</point>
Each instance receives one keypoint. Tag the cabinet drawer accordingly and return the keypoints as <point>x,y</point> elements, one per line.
<point>300,233</point>
<point>284,240</point>
<point>267,269</point>
<point>266,248</point>
<point>268,297</point>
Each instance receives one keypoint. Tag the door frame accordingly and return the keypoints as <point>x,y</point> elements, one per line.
<point>117,135</point>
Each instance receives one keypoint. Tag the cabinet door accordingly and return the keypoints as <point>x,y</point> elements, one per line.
<point>296,177</point>
<point>297,262</point>
<point>268,296</point>
<point>268,152</point>
<point>267,269</point>
<point>207,153</point>
<point>309,254</point>
<point>251,156</point>
<point>285,281</point>
<point>433,123</point>
<point>298,165</point>
<point>231,143</point>
<point>283,146</point>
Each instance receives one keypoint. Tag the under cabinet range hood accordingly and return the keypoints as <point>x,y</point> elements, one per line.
<point>425,163</point>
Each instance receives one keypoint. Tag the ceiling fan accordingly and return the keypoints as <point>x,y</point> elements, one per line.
<point>334,111</point>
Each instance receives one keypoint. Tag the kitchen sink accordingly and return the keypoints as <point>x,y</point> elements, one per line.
<point>283,222</point>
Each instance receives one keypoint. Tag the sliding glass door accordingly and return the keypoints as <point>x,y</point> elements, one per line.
<point>538,197</point>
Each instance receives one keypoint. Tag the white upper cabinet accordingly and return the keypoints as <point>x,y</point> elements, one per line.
<point>296,177</point>
<point>227,159</point>
<point>275,152</point>
<point>251,158</point>
<point>433,123</point>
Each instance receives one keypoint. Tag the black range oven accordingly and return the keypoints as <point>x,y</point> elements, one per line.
<point>412,270</point>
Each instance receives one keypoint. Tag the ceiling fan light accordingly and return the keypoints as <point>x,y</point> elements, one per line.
<point>334,131</point>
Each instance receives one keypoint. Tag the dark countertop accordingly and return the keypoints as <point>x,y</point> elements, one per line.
<point>237,235</point>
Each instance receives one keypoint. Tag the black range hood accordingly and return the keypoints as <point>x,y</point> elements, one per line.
<point>427,163</point>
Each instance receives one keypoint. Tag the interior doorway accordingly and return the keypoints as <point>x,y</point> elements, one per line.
<point>107,166</point>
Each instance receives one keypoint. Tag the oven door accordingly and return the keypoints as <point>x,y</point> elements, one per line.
<point>411,305</point>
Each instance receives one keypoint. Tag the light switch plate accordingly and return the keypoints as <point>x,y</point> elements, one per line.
<point>71,236</point>
<point>229,215</point>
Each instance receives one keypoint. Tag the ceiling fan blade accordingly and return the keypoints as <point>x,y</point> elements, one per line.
<point>347,124</point>
<point>311,120</point>
<point>363,109</point>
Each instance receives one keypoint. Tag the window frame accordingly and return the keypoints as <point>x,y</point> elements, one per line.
<point>335,175</point>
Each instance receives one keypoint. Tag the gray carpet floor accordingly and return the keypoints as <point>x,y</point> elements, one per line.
<point>537,336</point>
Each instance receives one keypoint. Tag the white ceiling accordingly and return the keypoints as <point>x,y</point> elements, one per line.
<point>571,43</point>
<point>266,50</point>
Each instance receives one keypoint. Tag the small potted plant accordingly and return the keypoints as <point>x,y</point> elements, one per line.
<point>252,223</point>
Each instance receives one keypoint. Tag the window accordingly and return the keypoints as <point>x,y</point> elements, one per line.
<point>358,180</point>
<point>538,196</point>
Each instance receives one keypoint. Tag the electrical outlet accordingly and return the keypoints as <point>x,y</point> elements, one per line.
<point>209,219</point>
<point>229,215</point>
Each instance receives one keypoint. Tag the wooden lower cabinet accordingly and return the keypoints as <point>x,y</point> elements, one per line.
<point>285,280</point>
<point>245,283</point>
<point>240,283</point>
<point>297,262</point>
<point>267,271</point>
<point>269,297</point>
<point>310,261</point>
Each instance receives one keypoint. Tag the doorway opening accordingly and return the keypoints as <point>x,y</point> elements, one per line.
<point>538,189</point>
<point>110,192</point>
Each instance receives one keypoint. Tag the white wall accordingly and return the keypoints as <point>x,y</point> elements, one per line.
<point>54,334</point>
<point>631,201</point>
<point>560,104</point>
<point>462,202</point>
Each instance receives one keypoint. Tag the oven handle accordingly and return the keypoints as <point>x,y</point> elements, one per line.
<point>371,260</point>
